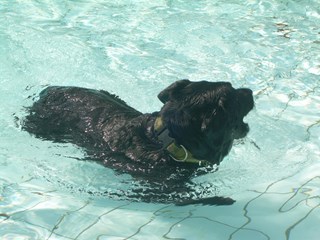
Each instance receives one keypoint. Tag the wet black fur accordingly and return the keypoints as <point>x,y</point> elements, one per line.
<point>205,117</point>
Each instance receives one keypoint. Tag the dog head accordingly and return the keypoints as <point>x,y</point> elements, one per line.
<point>206,117</point>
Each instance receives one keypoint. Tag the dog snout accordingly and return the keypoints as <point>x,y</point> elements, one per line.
<point>246,100</point>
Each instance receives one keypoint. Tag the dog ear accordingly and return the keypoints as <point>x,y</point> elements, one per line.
<point>173,91</point>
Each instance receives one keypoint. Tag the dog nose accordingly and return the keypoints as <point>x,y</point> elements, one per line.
<point>246,98</point>
<point>245,91</point>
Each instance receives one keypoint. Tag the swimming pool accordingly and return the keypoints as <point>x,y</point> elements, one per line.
<point>135,50</point>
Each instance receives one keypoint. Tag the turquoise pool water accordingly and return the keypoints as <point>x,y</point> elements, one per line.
<point>135,49</point>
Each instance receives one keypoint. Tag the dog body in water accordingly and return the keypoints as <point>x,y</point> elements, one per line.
<point>195,127</point>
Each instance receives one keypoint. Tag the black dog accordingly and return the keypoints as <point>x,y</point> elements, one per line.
<point>195,128</point>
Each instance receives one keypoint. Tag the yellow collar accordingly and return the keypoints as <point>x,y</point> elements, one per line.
<point>158,124</point>
<point>177,153</point>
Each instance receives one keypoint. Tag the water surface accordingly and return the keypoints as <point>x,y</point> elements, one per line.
<point>135,50</point>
